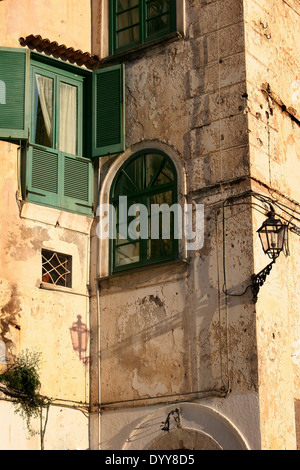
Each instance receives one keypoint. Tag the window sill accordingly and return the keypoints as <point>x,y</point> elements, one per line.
<point>136,51</point>
<point>60,289</point>
<point>168,271</point>
<point>56,217</point>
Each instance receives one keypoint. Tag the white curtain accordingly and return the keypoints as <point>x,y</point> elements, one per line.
<point>68,119</point>
<point>45,94</point>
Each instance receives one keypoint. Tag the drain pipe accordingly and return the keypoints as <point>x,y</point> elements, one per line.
<point>95,367</point>
<point>98,311</point>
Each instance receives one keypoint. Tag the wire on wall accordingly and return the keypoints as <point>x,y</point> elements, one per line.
<point>266,202</point>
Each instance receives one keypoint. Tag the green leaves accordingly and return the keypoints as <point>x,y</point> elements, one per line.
<point>22,384</point>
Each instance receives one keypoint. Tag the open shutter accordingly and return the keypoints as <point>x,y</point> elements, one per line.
<point>14,89</point>
<point>108,111</point>
<point>77,184</point>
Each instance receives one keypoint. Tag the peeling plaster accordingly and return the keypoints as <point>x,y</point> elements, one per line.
<point>9,320</point>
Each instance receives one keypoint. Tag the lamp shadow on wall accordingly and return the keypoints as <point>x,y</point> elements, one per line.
<point>80,339</point>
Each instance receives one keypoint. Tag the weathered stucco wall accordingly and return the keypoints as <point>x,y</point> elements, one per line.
<point>37,319</point>
<point>167,332</point>
<point>34,318</point>
<point>67,22</point>
<point>272,64</point>
<point>203,97</point>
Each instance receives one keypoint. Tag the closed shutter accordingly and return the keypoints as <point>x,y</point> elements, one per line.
<point>108,111</point>
<point>42,177</point>
<point>58,180</point>
<point>14,83</point>
<point>78,184</point>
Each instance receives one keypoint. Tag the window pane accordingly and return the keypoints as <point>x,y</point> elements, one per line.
<point>128,18</point>
<point>128,36</point>
<point>127,254</point>
<point>128,226</point>
<point>160,248</point>
<point>157,8</point>
<point>158,16</point>
<point>147,234</point>
<point>166,174</point>
<point>127,4</point>
<point>161,227</point>
<point>153,164</point>
<point>43,124</point>
<point>128,22</point>
<point>56,268</point>
<point>159,167</point>
<point>124,186</point>
<point>134,171</point>
<point>130,179</point>
<point>162,198</point>
<point>68,119</point>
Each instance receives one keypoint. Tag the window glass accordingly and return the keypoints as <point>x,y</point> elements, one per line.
<point>68,119</point>
<point>128,254</point>
<point>135,22</point>
<point>143,237</point>
<point>128,28</point>
<point>160,244</point>
<point>43,122</point>
<point>158,16</point>
<point>153,164</point>
<point>130,179</point>
<point>56,268</point>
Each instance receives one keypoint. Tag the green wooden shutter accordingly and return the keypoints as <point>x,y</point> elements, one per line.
<point>77,184</point>
<point>58,180</point>
<point>14,89</point>
<point>42,177</point>
<point>108,111</point>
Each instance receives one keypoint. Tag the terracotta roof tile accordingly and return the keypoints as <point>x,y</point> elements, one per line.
<point>60,50</point>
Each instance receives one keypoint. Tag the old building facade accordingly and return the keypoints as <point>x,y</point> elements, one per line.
<point>186,102</point>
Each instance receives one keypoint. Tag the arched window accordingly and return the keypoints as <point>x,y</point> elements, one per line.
<point>144,195</point>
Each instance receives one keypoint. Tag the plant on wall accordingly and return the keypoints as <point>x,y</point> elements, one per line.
<point>21,382</point>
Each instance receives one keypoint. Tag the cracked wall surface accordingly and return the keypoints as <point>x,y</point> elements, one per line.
<point>205,98</point>
<point>272,63</point>
<point>34,318</point>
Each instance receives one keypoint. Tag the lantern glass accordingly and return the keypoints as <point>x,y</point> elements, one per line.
<point>272,236</point>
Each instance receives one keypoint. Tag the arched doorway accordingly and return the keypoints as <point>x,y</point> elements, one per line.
<point>200,427</point>
<point>185,439</point>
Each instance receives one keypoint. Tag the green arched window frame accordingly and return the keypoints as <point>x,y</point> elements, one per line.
<point>147,177</point>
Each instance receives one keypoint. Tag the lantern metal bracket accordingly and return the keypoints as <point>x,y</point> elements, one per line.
<point>259,279</point>
<point>165,426</point>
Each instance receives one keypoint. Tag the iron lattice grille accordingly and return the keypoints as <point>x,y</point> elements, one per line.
<point>56,268</point>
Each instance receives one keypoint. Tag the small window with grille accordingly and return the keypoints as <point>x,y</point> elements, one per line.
<point>56,268</point>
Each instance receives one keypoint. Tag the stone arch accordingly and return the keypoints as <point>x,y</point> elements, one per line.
<point>201,428</point>
<point>104,197</point>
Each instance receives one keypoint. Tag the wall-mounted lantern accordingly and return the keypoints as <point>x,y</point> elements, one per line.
<point>272,235</point>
